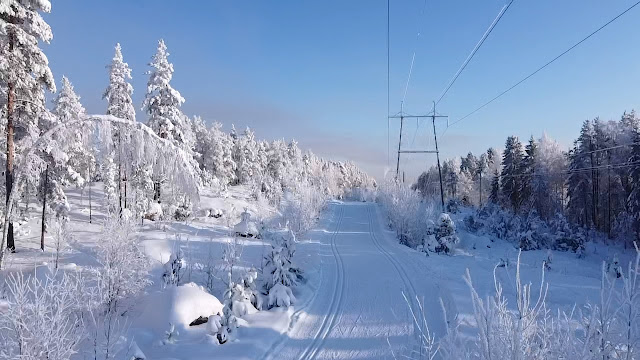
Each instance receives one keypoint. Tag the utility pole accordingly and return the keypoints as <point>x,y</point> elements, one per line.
<point>433,117</point>
<point>435,139</point>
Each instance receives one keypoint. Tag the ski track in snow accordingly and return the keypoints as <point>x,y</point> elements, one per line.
<point>311,351</point>
<point>275,348</point>
<point>369,313</point>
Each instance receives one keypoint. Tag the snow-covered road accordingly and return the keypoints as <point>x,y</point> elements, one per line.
<point>358,310</point>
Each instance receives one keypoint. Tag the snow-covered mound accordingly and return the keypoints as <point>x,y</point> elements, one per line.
<point>246,227</point>
<point>178,306</point>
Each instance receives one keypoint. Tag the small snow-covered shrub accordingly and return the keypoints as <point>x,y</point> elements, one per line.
<point>182,212</point>
<point>154,212</point>
<point>566,238</point>
<point>446,234</point>
<point>228,320</point>
<point>41,319</point>
<point>246,227</point>
<point>453,205</point>
<point>301,207</point>
<point>409,213</point>
<point>174,267</point>
<point>281,296</point>
<point>277,274</point>
<point>250,288</point>
<point>125,266</point>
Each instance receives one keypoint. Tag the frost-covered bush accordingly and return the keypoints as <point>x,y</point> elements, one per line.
<point>154,212</point>
<point>565,237</point>
<point>246,227</point>
<point>182,211</point>
<point>250,288</point>
<point>301,207</point>
<point>125,267</point>
<point>174,267</point>
<point>446,234</point>
<point>409,213</point>
<point>42,319</point>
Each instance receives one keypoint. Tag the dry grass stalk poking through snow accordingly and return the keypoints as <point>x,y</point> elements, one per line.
<point>528,331</point>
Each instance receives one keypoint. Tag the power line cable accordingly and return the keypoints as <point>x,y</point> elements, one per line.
<point>486,34</point>
<point>413,57</point>
<point>388,84</point>
<point>475,50</point>
<point>543,66</point>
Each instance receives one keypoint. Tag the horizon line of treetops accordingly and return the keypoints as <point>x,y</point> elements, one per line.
<point>132,164</point>
<point>595,184</point>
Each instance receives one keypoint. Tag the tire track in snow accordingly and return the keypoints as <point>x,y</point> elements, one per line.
<point>406,280</point>
<point>329,320</point>
<point>274,349</point>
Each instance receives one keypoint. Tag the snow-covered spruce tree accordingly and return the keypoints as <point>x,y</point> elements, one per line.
<point>222,162</point>
<point>250,288</point>
<point>511,165</point>
<point>580,183</point>
<point>162,103</point>
<point>203,148</point>
<point>24,71</point>
<point>245,155</point>
<point>633,201</point>
<point>446,234</point>
<point>494,195</point>
<point>118,154</point>
<point>278,279</point>
<point>74,141</point>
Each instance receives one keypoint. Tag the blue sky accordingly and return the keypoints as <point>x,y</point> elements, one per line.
<point>316,71</point>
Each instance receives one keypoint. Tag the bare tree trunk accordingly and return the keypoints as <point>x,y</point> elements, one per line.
<point>45,187</point>
<point>125,188</point>
<point>11,99</point>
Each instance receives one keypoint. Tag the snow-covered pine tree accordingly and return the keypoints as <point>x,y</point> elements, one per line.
<point>278,279</point>
<point>74,141</point>
<point>245,155</point>
<point>119,153</point>
<point>579,182</point>
<point>446,234</point>
<point>162,103</point>
<point>511,165</point>
<point>222,162</point>
<point>203,147</point>
<point>633,201</point>
<point>24,71</point>
<point>494,194</point>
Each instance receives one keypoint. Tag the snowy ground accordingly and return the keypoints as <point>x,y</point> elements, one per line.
<point>351,305</point>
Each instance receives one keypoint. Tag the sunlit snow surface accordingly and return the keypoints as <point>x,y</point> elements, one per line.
<point>351,305</point>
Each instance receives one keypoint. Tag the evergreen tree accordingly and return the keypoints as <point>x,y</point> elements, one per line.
<point>633,201</point>
<point>117,159</point>
<point>162,102</point>
<point>510,180</point>
<point>24,71</point>
<point>494,196</point>
<point>579,182</point>
<point>74,141</point>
